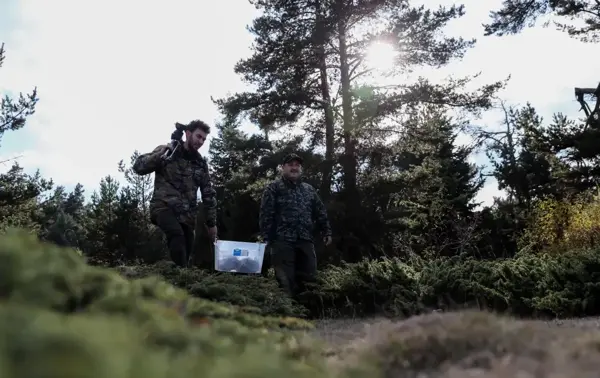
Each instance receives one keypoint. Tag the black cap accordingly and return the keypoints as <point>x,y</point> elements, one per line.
<point>291,157</point>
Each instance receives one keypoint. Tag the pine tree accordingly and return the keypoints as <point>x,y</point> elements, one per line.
<point>515,15</point>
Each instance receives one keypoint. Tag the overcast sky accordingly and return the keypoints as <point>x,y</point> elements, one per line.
<point>113,76</point>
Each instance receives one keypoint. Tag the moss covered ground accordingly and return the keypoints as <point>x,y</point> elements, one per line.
<point>62,318</point>
<point>253,293</point>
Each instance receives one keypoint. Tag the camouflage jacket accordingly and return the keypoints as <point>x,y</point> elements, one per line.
<point>288,211</point>
<point>176,185</point>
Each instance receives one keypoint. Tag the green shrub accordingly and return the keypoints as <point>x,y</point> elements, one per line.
<point>557,285</point>
<point>60,317</point>
<point>59,279</point>
<point>450,283</point>
<point>40,343</point>
<point>255,293</point>
<point>558,226</point>
<point>369,287</point>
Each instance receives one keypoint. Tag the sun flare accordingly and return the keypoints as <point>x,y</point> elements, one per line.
<point>380,56</point>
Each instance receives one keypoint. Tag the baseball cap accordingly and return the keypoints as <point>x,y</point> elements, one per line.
<point>291,157</point>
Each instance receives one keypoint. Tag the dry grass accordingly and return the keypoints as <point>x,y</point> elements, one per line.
<point>466,344</point>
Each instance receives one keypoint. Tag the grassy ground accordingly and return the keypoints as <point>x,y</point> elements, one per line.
<point>465,344</point>
<point>61,318</point>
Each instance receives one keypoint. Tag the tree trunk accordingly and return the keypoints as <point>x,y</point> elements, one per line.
<point>349,161</point>
<point>321,37</point>
<point>352,227</point>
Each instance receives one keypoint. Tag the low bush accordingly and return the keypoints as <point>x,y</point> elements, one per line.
<point>254,293</point>
<point>386,286</point>
<point>59,279</point>
<point>40,343</point>
<point>60,317</point>
<point>557,226</point>
<point>529,285</point>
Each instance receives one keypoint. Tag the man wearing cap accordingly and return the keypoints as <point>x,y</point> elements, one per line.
<point>287,211</point>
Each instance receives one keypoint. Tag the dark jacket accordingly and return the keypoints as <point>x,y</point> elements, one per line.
<point>176,185</point>
<point>289,210</point>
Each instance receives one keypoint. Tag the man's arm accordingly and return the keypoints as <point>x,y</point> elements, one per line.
<point>209,198</point>
<point>148,163</point>
<point>321,215</point>
<point>266,216</point>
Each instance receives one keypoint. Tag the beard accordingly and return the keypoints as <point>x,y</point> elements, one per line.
<point>193,146</point>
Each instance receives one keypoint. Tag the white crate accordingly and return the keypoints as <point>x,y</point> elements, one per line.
<point>240,257</point>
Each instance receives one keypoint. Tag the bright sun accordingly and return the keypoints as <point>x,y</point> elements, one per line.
<point>380,56</point>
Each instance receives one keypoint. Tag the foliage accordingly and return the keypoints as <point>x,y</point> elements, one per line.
<point>309,71</point>
<point>14,113</point>
<point>115,324</point>
<point>247,291</point>
<point>78,320</point>
<point>515,15</point>
<point>564,285</point>
<point>60,280</point>
<point>18,191</point>
<point>366,288</point>
<point>557,226</point>
<point>540,284</point>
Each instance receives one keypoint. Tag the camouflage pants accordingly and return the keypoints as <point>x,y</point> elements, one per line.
<point>180,237</point>
<point>295,264</point>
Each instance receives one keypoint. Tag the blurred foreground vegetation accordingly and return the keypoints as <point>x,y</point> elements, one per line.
<point>62,317</point>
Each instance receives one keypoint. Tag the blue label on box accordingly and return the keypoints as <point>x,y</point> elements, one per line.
<point>237,252</point>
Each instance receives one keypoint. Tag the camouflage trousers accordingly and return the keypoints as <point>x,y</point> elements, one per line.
<point>180,236</point>
<point>295,264</point>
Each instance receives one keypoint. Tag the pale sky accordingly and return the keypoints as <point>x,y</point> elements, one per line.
<point>113,76</point>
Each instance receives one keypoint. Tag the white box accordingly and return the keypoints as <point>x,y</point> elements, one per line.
<point>240,257</point>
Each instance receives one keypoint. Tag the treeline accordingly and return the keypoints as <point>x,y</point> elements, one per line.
<point>417,196</point>
<point>387,164</point>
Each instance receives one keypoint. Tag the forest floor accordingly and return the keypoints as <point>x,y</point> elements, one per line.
<point>466,344</point>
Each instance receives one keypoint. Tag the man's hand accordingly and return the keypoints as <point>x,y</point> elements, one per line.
<point>327,240</point>
<point>212,232</point>
<point>160,150</point>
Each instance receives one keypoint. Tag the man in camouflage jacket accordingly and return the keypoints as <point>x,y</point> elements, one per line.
<point>174,203</point>
<point>288,210</point>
